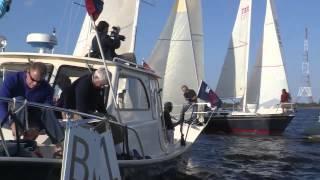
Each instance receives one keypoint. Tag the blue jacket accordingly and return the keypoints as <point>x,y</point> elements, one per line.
<point>14,85</point>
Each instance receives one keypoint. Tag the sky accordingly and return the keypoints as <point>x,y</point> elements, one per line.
<point>27,16</point>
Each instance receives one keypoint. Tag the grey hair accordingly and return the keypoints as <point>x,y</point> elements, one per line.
<point>101,75</point>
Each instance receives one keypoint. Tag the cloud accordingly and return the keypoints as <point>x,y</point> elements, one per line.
<point>28,3</point>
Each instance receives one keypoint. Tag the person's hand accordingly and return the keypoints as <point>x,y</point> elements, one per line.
<point>13,129</point>
<point>122,38</point>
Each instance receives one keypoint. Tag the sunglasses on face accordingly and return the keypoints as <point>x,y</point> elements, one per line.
<point>34,80</point>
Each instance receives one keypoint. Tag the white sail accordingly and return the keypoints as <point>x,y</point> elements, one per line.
<point>178,54</point>
<point>269,76</point>
<point>123,13</point>
<point>233,77</point>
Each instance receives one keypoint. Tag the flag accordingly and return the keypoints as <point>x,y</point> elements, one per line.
<point>207,94</point>
<point>94,8</point>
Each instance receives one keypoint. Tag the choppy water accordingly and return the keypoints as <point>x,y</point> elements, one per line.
<point>289,156</point>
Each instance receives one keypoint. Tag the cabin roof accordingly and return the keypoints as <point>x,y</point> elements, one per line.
<point>70,58</point>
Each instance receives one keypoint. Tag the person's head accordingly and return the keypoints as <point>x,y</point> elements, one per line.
<point>284,91</point>
<point>103,26</point>
<point>36,73</point>
<point>168,106</point>
<point>99,78</point>
<point>184,88</point>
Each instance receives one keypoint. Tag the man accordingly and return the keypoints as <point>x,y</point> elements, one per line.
<point>168,122</point>
<point>285,98</point>
<point>86,93</point>
<point>108,43</point>
<point>191,98</point>
<point>29,85</point>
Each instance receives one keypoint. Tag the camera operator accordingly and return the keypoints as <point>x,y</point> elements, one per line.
<point>109,43</point>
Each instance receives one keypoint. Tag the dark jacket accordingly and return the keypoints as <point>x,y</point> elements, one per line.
<point>109,45</point>
<point>14,85</point>
<point>167,120</point>
<point>83,96</point>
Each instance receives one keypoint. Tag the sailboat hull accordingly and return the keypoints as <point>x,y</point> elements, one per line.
<point>273,124</point>
<point>31,168</point>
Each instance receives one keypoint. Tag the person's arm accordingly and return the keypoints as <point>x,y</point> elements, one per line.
<point>101,105</point>
<point>49,95</point>
<point>5,91</point>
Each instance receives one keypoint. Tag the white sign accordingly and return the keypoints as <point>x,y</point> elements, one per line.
<point>89,156</point>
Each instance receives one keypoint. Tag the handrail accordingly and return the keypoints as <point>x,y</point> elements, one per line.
<point>69,111</point>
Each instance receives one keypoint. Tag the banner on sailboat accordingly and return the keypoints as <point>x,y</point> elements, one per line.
<point>94,8</point>
<point>207,94</point>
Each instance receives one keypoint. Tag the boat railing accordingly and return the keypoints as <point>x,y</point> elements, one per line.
<point>200,110</point>
<point>286,107</point>
<point>89,118</point>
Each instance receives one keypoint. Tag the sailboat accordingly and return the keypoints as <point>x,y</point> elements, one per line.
<point>133,103</point>
<point>178,54</point>
<point>260,110</point>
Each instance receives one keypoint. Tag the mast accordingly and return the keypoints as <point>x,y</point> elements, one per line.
<point>135,27</point>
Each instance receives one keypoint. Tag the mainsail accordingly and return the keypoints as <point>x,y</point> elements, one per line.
<point>233,78</point>
<point>269,75</point>
<point>123,13</point>
<point>178,54</point>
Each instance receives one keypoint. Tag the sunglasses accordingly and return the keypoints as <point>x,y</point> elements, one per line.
<point>34,80</point>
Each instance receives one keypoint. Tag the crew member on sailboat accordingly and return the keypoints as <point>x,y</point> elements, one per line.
<point>168,121</point>
<point>191,98</point>
<point>285,98</point>
<point>86,93</point>
<point>109,43</point>
<point>29,85</point>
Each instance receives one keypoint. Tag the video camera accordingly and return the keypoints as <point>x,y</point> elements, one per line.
<point>115,33</point>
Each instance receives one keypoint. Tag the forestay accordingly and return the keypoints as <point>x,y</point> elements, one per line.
<point>269,76</point>
<point>233,77</point>
<point>178,54</point>
<point>123,13</point>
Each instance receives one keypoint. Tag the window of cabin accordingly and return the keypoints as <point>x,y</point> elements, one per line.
<point>17,67</point>
<point>132,94</point>
<point>67,74</point>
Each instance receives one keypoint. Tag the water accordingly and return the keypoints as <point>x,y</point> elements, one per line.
<point>289,156</point>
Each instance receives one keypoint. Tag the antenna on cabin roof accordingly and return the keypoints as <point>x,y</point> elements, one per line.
<point>44,42</point>
<point>3,43</point>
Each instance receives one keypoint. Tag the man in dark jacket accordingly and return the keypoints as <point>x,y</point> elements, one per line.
<point>86,93</point>
<point>108,43</point>
<point>29,85</point>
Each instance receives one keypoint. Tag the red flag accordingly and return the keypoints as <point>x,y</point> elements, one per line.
<point>94,8</point>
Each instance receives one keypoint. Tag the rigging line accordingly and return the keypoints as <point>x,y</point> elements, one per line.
<point>270,66</point>
<point>73,22</point>
<point>79,4</point>
<point>63,15</point>
<point>152,4</point>
<point>66,43</point>
<point>182,40</point>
